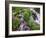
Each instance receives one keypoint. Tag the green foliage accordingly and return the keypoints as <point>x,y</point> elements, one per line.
<point>35,26</point>
<point>16,10</point>
<point>30,22</point>
<point>15,23</point>
<point>27,14</point>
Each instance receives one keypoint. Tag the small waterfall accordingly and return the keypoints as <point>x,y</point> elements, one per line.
<point>38,16</point>
<point>23,24</point>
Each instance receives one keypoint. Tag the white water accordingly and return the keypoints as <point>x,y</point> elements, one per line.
<point>38,16</point>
